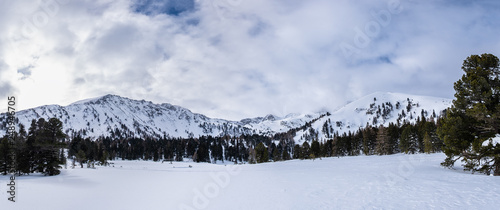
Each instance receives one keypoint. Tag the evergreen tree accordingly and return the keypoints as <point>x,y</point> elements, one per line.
<point>306,150</point>
<point>315,150</point>
<point>202,154</point>
<point>5,156</point>
<point>408,141</point>
<point>369,139</point>
<point>261,153</point>
<point>393,131</point>
<point>383,146</point>
<point>474,117</point>
<point>276,155</point>
<point>297,152</point>
<point>285,155</point>
<point>427,143</point>
<point>44,143</point>
<point>81,157</point>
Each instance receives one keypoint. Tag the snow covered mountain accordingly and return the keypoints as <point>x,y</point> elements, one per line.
<point>376,109</point>
<point>112,115</point>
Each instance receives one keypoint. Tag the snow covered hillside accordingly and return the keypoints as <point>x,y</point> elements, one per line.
<point>361,182</point>
<point>117,116</point>
<point>376,109</point>
<point>112,115</point>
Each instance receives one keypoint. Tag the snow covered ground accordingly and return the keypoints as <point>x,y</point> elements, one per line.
<point>363,182</point>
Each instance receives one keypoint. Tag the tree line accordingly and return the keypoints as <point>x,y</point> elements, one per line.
<point>409,138</point>
<point>40,150</point>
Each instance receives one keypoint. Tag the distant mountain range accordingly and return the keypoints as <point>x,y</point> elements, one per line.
<point>116,116</point>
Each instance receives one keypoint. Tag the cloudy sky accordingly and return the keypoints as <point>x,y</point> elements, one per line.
<point>236,58</point>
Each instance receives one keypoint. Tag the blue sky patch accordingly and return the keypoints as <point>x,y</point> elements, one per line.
<point>168,7</point>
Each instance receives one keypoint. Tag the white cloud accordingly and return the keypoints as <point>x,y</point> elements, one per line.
<point>235,59</point>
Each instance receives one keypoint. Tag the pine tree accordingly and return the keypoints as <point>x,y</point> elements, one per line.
<point>315,150</point>
<point>43,144</point>
<point>393,131</point>
<point>297,152</point>
<point>5,156</point>
<point>276,155</point>
<point>261,153</point>
<point>202,154</point>
<point>408,141</point>
<point>306,150</point>
<point>427,143</point>
<point>369,139</point>
<point>285,155</point>
<point>474,117</point>
<point>366,140</point>
<point>81,157</point>
<point>383,146</point>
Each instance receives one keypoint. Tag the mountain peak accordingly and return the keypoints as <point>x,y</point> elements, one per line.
<point>377,109</point>
<point>116,116</point>
<point>121,117</point>
<point>95,99</point>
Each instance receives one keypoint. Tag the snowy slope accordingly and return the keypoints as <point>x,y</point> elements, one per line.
<point>361,182</point>
<point>272,124</point>
<point>115,115</point>
<point>378,109</point>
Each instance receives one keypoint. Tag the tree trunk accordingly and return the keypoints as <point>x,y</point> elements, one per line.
<point>496,167</point>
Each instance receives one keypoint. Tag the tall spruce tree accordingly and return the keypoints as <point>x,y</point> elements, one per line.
<point>383,144</point>
<point>408,142</point>
<point>306,150</point>
<point>427,143</point>
<point>262,154</point>
<point>474,117</point>
<point>315,150</point>
<point>44,140</point>
<point>5,159</point>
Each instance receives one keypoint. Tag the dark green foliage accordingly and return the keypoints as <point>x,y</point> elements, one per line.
<point>276,155</point>
<point>408,142</point>
<point>383,144</point>
<point>474,116</point>
<point>261,153</point>
<point>38,151</point>
<point>306,150</point>
<point>5,156</point>
<point>297,152</point>
<point>369,140</point>
<point>315,150</point>
<point>48,139</point>
<point>428,143</point>
<point>202,152</point>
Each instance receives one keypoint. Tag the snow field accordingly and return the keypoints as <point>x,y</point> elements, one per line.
<point>362,182</point>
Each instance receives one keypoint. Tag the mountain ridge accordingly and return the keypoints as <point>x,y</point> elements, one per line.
<point>113,115</point>
<point>117,116</point>
<point>376,109</point>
